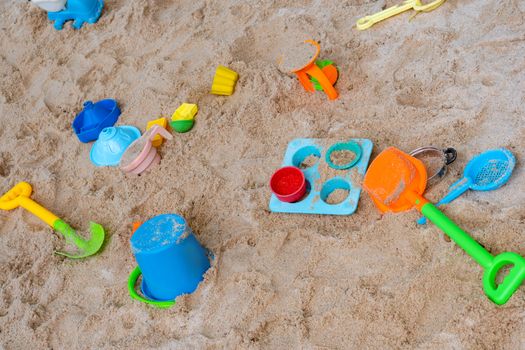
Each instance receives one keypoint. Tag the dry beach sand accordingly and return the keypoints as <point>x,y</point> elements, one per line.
<point>454,77</point>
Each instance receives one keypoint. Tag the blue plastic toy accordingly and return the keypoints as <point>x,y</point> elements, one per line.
<point>111,145</point>
<point>94,117</point>
<point>78,11</point>
<point>171,260</point>
<point>344,146</point>
<point>349,179</point>
<point>485,172</point>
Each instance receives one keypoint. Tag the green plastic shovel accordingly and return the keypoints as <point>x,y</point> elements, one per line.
<point>396,182</point>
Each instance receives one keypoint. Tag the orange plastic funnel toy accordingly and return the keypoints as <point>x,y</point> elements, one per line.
<point>396,182</point>
<point>306,61</point>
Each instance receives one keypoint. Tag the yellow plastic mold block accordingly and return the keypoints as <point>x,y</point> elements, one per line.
<point>224,81</point>
<point>186,111</point>
<point>157,140</point>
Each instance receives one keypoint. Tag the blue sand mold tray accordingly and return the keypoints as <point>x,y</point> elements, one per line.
<point>349,179</point>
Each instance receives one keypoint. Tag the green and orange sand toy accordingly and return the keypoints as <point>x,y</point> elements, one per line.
<point>396,182</point>
<point>313,75</point>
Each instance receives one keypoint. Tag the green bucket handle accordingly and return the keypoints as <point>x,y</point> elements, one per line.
<point>132,281</point>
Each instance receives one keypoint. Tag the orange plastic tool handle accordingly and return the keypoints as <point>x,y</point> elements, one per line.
<point>305,81</point>
<point>318,74</point>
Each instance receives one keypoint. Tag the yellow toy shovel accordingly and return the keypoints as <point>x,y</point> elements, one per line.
<point>18,196</point>
<point>368,21</point>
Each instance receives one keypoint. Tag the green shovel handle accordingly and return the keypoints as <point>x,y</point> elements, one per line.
<point>463,239</point>
<point>132,281</point>
<point>501,293</point>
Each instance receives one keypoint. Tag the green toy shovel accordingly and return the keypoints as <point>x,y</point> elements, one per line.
<point>396,182</point>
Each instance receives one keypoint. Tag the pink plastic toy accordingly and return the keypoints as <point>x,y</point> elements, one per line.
<point>141,155</point>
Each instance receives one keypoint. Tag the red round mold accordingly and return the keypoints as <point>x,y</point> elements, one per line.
<point>288,184</point>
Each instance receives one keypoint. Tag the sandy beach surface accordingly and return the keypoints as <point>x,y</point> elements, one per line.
<point>454,77</point>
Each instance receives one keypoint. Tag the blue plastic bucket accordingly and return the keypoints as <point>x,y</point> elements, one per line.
<point>171,259</point>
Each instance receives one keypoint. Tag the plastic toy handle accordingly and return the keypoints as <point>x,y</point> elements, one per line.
<point>305,81</point>
<point>38,210</point>
<point>368,21</point>
<point>428,7</point>
<point>11,199</point>
<point>501,293</point>
<point>450,154</point>
<point>463,239</point>
<point>159,130</point>
<point>455,190</point>
<point>132,281</point>
<point>18,196</point>
<point>318,74</point>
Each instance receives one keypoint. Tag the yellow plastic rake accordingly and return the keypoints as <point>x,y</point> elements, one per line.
<point>416,5</point>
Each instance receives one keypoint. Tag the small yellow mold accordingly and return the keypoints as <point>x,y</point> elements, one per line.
<point>186,111</point>
<point>224,81</point>
<point>157,140</point>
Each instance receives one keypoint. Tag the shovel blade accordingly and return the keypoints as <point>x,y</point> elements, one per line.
<point>501,293</point>
<point>391,177</point>
<point>85,247</point>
